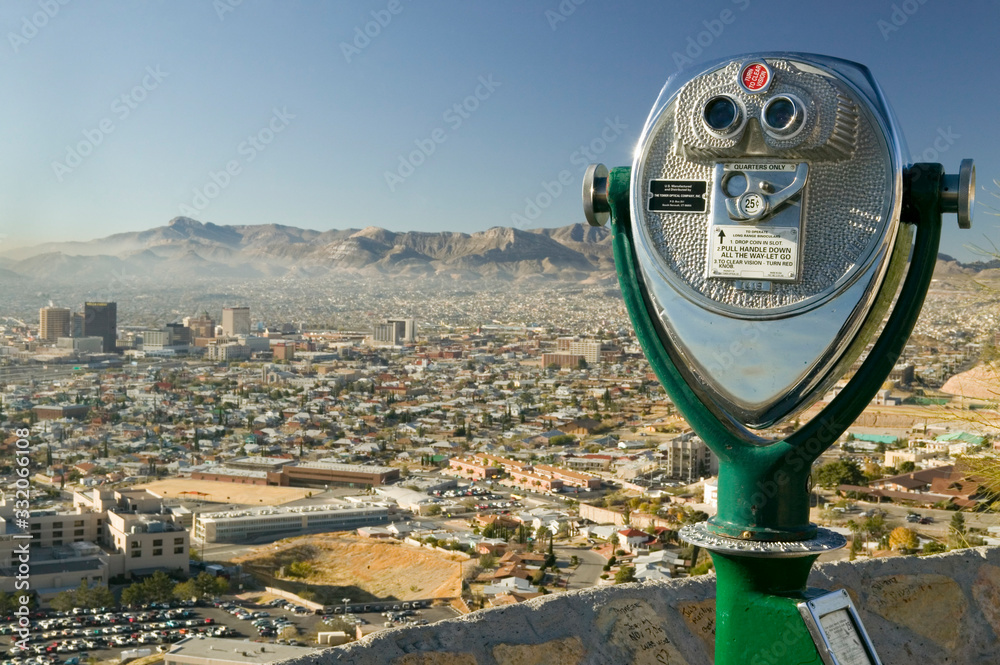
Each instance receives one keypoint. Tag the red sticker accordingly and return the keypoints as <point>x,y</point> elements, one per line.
<point>755,76</point>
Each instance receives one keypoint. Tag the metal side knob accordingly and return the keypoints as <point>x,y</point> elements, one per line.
<point>958,193</point>
<point>595,195</point>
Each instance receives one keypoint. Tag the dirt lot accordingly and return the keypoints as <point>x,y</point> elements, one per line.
<point>385,569</point>
<point>219,492</point>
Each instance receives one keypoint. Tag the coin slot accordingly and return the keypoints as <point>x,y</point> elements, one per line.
<point>734,184</point>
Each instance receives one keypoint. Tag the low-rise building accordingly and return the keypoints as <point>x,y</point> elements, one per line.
<point>220,651</point>
<point>568,476</point>
<point>334,474</point>
<point>279,522</point>
<point>894,458</point>
<point>59,411</point>
<point>474,468</point>
<point>108,533</point>
<point>532,481</point>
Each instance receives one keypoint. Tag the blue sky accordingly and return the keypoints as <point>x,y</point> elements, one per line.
<point>264,111</point>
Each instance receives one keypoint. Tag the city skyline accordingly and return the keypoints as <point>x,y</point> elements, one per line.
<point>334,117</point>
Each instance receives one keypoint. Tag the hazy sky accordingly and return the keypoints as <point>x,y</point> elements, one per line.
<point>118,116</point>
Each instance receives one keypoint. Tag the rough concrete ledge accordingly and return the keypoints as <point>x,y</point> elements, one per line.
<point>936,609</point>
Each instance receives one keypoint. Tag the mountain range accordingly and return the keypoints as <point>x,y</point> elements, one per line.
<point>186,248</point>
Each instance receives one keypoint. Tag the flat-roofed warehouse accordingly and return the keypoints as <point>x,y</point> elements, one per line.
<point>220,651</point>
<point>332,474</point>
<point>259,524</point>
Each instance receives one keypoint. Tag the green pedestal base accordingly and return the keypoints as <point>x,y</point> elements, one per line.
<point>757,621</point>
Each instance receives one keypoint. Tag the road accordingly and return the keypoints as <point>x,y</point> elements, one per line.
<point>938,529</point>
<point>223,551</point>
<point>587,573</point>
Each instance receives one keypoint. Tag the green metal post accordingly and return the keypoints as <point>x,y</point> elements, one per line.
<point>764,489</point>
<point>757,621</point>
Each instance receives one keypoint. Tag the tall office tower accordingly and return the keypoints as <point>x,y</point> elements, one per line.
<point>76,324</point>
<point>100,319</point>
<point>385,333</point>
<point>179,333</point>
<point>54,323</point>
<point>235,321</point>
<point>201,326</point>
<point>407,329</point>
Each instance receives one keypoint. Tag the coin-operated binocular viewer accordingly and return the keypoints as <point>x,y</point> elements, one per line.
<point>760,237</point>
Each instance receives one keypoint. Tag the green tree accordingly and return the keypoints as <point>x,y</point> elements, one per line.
<point>906,467</point>
<point>159,587</point>
<point>185,590</point>
<point>841,472</point>
<point>64,601</point>
<point>957,531</point>
<point>207,585</point>
<point>625,574</point>
<point>134,594</point>
<point>496,530</point>
<point>875,527</point>
<point>934,548</point>
<point>83,596</point>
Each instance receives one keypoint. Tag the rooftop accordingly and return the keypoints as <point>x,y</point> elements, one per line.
<point>218,649</point>
<point>287,510</point>
<point>347,468</point>
<point>227,471</point>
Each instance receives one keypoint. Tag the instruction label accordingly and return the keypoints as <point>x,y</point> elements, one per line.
<point>749,252</point>
<point>845,643</point>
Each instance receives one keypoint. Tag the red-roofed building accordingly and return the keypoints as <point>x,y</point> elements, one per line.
<point>632,540</point>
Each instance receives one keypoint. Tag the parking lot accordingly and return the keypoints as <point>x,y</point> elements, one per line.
<point>70,638</point>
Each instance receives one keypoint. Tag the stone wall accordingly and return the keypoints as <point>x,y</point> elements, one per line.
<point>937,609</point>
<point>600,515</point>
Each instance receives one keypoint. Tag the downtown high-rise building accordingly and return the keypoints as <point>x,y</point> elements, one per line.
<point>200,326</point>
<point>76,324</point>
<point>54,322</point>
<point>100,319</point>
<point>395,332</point>
<point>235,321</point>
<point>407,329</point>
